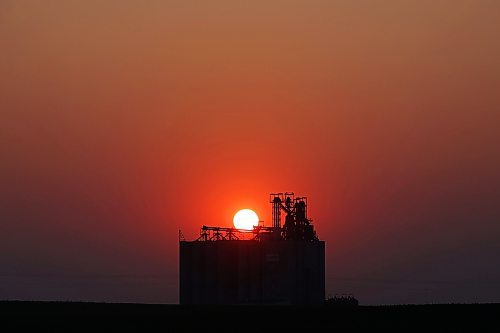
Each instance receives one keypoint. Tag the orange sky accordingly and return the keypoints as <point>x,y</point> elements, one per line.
<point>123,121</point>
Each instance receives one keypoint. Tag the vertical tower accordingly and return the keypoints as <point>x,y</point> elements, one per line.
<point>276,200</point>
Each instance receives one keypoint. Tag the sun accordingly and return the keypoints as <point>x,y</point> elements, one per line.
<point>245,219</point>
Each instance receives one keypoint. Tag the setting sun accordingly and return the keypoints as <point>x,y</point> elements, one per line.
<point>245,219</point>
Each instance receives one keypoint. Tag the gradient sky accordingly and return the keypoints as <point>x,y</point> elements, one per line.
<point>123,121</point>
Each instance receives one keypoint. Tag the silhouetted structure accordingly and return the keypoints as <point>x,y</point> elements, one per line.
<point>278,265</point>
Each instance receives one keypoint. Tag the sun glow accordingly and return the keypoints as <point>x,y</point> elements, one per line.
<point>245,219</point>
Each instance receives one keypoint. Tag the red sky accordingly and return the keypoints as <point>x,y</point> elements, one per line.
<point>123,121</point>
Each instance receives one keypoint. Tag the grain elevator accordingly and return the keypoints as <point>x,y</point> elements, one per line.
<point>279,264</point>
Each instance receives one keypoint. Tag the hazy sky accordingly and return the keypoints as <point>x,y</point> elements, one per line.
<point>123,121</point>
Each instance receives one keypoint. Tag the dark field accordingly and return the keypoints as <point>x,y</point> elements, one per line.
<point>93,316</point>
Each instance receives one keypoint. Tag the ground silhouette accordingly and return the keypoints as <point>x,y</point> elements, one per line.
<point>76,315</point>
